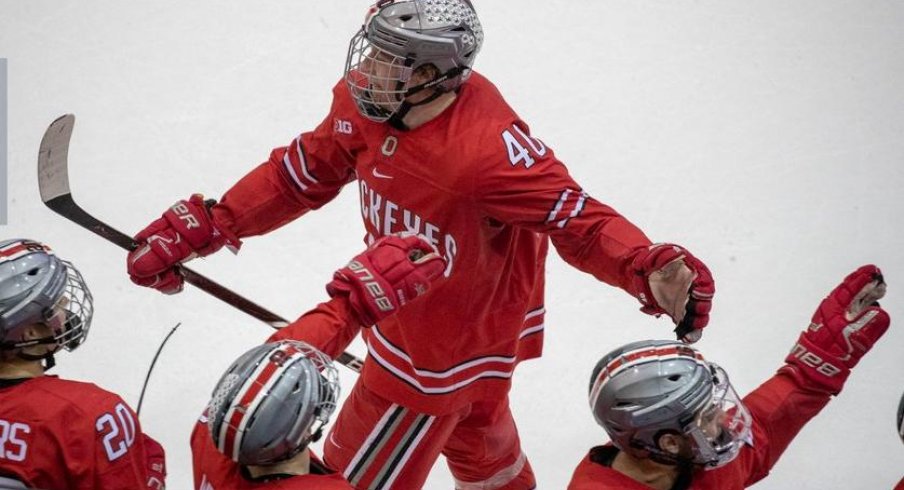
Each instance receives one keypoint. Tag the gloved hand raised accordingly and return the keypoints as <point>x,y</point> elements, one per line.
<point>844,328</point>
<point>669,279</point>
<point>393,271</point>
<point>185,231</point>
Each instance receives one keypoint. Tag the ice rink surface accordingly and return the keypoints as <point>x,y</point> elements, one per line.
<point>766,136</point>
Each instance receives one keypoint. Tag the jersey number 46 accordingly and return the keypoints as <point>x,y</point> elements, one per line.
<point>517,147</point>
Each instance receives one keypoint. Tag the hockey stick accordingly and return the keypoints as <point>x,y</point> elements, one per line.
<point>53,181</point>
<point>147,378</point>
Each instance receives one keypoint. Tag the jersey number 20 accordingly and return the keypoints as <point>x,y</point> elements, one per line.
<point>118,431</point>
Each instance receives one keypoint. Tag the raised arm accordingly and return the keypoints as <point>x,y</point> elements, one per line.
<point>845,326</point>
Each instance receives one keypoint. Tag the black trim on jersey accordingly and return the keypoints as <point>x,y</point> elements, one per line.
<point>302,158</point>
<point>535,332</point>
<point>6,383</point>
<point>421,390</point>
<point>514,356</point>
<point>605,456</point>
<point>562,199</point>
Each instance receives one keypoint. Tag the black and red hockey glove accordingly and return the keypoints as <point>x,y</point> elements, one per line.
<point>668,279</point>
<point>393,271</point>
<point>185,231</point>
<point>846,325</point>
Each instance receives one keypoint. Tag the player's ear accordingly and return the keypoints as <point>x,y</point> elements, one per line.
<point>670,442</point>
<point>424,74</point>
<point>36,331</point>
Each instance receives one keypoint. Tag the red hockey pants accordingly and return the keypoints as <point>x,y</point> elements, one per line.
<point>378,445</point>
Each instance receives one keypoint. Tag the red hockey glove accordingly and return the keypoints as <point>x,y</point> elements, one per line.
<point>185,231</point>
<point>669,279</point>
<point>844,328</point>
<point>391,272</point>
<point>156,464</point>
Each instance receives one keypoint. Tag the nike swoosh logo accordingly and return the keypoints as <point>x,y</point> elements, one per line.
<point>379,175</point>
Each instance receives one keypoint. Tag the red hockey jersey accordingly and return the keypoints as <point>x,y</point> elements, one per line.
<point>779,407</point>
<point>60,434</point>
<point>213,471</point>
<point>481,188</point>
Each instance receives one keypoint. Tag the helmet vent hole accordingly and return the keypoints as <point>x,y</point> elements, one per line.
<point>33,272</point>
<point>405,18</point>
<point>674,377</point>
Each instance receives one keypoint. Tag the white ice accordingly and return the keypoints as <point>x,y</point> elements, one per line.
<point>767,136</point>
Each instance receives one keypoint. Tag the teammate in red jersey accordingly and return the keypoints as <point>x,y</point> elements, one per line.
<point>676,423</point>
<point>276,398</point>
<point>267,407</point>
<point>54,433</point>
<point>434,149</point>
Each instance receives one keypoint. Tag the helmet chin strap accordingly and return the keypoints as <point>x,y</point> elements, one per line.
<point>396,120</point>
<point>48,360</point>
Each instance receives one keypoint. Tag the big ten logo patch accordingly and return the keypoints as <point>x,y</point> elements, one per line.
<point>341,126</point>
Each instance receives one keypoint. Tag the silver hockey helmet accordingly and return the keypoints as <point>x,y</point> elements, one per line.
<point>272,402</point>
<point>400,36</point>
<point>36,287</point>
<point>649,388</point>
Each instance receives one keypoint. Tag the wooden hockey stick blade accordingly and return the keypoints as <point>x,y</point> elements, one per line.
<point>53,182</point>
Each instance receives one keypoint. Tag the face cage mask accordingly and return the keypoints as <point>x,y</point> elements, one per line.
<point>329,383</point>
<point>720,429</point>
<point>71,317</point>
<point>376,78</point>
<point>68,320</point>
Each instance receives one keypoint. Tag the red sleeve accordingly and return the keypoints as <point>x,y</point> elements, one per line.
<point>155,458</point>
<point>304,175</point>
<point>119,455</point>
<point>329,327</point>
<point>780,408</point>
<point>525,185</point>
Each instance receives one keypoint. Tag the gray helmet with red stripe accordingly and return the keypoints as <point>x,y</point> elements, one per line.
<point>272,402</point>
<point>37,287</point>
<point>649,388</point>
<point>400,36</point>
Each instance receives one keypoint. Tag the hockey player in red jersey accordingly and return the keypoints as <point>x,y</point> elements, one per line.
<point>434,149</point>
<point>267,407</point>
<point>676,423</point>
<point>276,398</point>
<point>54,433</point>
